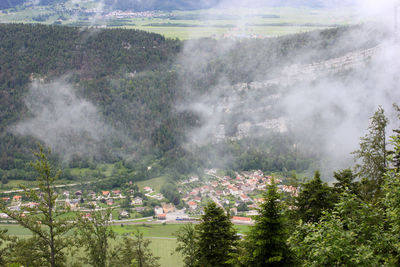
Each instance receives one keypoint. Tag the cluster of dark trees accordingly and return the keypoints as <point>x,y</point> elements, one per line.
<point>355,222</point>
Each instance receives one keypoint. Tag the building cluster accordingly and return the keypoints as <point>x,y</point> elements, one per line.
<point>242,193</point>
<point>118,14</point>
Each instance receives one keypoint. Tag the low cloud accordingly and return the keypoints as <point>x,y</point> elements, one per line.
<point>65,122</point>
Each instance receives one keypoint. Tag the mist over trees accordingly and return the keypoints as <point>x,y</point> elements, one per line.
<point>136,84</point>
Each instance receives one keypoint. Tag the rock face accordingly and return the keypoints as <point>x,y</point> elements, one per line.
<point>248,108</point>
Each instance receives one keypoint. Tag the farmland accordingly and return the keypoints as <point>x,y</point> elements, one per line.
<point>218,23</point>
<point>162,238</point>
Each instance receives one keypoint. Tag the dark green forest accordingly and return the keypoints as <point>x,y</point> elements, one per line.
<point>136,79</point>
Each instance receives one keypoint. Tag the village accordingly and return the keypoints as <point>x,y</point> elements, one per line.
<point>241,196</point>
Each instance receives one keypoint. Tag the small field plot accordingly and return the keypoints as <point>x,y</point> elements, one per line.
<point>154,183</point>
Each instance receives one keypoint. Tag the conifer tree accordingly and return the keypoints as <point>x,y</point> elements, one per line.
<point>371,157</point>
<point>217,238</point>
<point>314,197</point>
<point>48,226</point>
<point>266,243</point>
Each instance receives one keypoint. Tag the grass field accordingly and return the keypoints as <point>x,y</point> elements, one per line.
<point>265,22</point>
<point>154,183</point>
<point>162,238</point>
<point>162,241</point>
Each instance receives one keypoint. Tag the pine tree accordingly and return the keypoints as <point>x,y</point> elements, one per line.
<point>49,227</point>
<point>217,238</point>
<point>266,242</point>
<point>371,157</point>
<point>314,197</point>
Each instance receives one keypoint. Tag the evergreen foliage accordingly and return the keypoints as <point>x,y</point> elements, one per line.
<point>314,197</point>
<point>372,156</point>
<point>48,227</point>
<point>217,239</point>
<point>266,245</point>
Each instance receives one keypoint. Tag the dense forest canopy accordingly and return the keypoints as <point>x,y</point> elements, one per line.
<point>129,84</point>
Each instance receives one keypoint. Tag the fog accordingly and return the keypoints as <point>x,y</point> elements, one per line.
<point>327,110</point>
<point>65,122</point>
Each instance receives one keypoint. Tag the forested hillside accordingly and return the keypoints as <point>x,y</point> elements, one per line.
<point>135,80</point>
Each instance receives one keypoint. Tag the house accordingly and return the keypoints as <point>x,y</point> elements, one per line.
<point>158,210</point>
<point>214,184</point>
<point>17,198</point>
<point>167,208</point>
<point>162,216</point>
<point>244,198</point>
<point>234,191</point>
<point>259,200</point>
<point>194,179</point>
<point>124,213</point>
<point>205,189</point>
<point>192,205</point>
<point>3,216</point>
<point>244,220</point>
<point>78,193</point>
<point>66,193</point>
<point>110,202</point>
<point>5,199</point>
<point>147,189</point>
<point>225,183</point>
<point>252,206</point>
<point>116,192</point>
<point>72,204</point>
<point>105,193</point>
<point>137,201</point>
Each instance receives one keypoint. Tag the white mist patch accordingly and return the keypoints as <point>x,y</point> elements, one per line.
<point>63,121</point>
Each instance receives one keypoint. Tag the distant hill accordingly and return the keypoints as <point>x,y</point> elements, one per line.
<point>167,5</point>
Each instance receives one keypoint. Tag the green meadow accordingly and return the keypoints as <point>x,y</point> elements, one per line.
<point>163,240</point>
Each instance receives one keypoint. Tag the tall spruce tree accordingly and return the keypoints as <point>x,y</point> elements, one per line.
<point>314,197</point>
<point>217,238</point>
<point>266,243</point>
<point>49,227</point>
<point>371,157</point>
